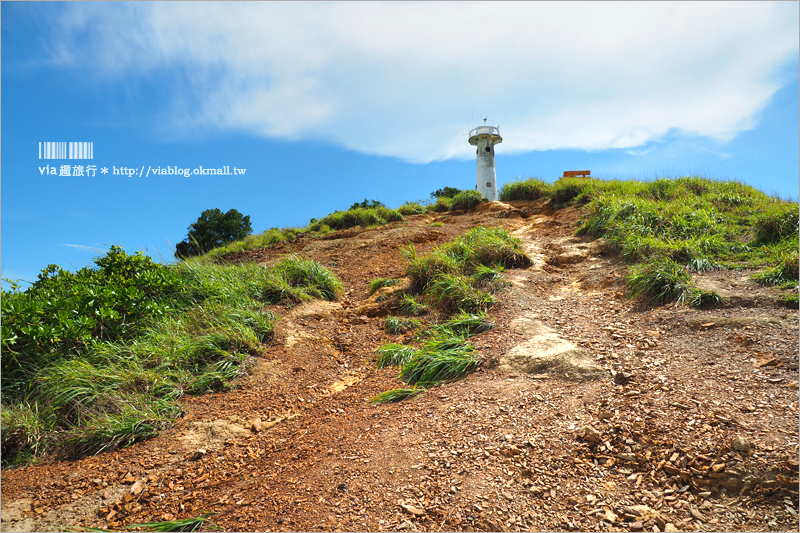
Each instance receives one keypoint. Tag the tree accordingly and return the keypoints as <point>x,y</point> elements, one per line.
<point>368,204</point>
<point>447,192</point>
<point>212,230</point>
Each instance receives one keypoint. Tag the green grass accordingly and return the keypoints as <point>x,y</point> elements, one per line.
<point>465,324</point>
<point>295,279</point>
<point>658,282</point>
<point>790,300</point>
<point>411,208</point>
<point>479,247</point>
<point>359,216</point>
<point>688,224</point>
<point>567,190</point>
<point>442,358</point>
<point>527,189</point>
<point>457,279</point>
<point>442,205</point>
<point>393,354</point>
<point>396,395</point>
<point>452,293</point>
<point>187,524</point>
<point>106,390</point>
<point>411,306</point>
<point>379,283</point>
<point>397,325</point>
<point>254,242</point>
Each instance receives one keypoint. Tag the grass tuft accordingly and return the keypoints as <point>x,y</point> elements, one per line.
<point>658,282</point>
<point>396,395</point>
<point>297,279</point>
<point>397,325</point>
<point>441,359</point>
<point>528,189</point>
<point>379,283</point>
<point>395,355</point>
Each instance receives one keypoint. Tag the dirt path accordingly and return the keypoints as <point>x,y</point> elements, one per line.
<point>672,418</point>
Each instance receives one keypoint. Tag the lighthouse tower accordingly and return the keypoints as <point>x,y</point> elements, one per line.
<point>485,137</point>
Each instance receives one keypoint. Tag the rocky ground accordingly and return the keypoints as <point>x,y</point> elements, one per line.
<point>640,418</point>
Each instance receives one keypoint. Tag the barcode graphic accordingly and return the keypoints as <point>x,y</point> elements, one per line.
<point>66,150</point>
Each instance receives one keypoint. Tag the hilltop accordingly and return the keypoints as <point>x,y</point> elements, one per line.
<point>586,409</point>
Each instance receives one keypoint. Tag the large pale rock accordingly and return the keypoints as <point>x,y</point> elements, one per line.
<point>543,350</point>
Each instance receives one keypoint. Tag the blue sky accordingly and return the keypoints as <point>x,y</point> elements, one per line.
<point>327,104</point>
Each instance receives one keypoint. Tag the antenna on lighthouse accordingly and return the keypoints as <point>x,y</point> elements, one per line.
<point>485,137</point>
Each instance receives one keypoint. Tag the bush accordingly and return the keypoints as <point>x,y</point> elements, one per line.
<point>529,189</point>
<point>96,360</point>
<point>447,192</point>
<point>367,204</point>
<point>211,230</point>
<point>466,200</point>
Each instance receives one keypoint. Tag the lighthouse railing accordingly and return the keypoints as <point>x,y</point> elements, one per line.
<point>484,130</point>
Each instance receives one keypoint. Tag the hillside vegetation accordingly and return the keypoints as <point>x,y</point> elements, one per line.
<point>97,359</point>
<point>668,228</point>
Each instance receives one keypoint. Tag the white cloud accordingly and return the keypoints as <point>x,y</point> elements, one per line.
<point>407,79</point>
<point>85,248</point>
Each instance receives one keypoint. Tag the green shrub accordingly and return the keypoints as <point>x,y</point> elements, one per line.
<point>466,200</point>
<point>447,192</point>
<point>96,359</point>
<point>528,189</point>
<point>63,313</point>
<point>367,204</point>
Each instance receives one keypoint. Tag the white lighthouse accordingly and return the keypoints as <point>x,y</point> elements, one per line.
<point>485,137</point>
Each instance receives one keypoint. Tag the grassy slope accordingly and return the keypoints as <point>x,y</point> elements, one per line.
<point>96,359</point>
